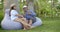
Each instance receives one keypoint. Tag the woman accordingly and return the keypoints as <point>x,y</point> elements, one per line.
<point>19,18</point>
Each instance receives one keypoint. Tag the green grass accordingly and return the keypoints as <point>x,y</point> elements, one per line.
<point>1,17</point>
<point>49,25</point>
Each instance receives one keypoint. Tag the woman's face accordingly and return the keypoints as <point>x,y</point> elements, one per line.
<point>14,7</point>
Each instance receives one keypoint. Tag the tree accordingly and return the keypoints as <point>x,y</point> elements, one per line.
<point>7,4</point>
<point>30,4</point>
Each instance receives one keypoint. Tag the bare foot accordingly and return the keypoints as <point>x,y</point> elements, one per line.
<point>24,29</point>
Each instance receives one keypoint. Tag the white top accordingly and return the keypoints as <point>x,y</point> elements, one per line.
<point>13,14</point>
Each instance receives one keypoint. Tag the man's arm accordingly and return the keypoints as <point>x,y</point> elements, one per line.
<point>32,13</point>
<point>29,12</point>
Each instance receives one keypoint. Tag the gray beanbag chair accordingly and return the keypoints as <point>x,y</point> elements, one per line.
<point>8,24</point>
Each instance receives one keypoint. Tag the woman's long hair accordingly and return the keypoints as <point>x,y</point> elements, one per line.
<point>11,8</point>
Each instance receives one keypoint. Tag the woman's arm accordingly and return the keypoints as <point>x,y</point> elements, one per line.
<point>19,15</point>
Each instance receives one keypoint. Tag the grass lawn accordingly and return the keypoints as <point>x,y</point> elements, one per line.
<point>49,25</point>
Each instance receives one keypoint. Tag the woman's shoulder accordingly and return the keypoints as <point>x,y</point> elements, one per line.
<point>13,11</point>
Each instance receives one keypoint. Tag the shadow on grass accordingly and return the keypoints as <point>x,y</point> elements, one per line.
<point>1,17</point>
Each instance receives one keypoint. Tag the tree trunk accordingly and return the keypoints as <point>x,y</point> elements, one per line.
<point>30,4</point>
<point>7,4</point>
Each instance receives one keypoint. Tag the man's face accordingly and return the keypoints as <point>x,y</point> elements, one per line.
<point>25,9</point>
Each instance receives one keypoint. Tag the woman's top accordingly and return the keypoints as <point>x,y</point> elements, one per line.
<point>13,14</point>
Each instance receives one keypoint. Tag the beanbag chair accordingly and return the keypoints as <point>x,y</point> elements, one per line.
<point>8,24</point>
